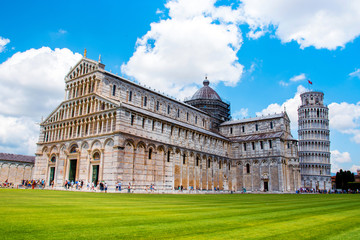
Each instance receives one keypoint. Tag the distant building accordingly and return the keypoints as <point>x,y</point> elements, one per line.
<point>357,176</point>
<point>114,130</point>
<point>314,141</point>
<point>15,168</point>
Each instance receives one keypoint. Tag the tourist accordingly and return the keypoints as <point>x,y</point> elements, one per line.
<point>119,186</point>
<point>129,188</point>
<point>106,187</point>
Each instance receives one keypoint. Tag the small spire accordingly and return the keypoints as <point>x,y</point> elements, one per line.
<point>85,53</point>
<point>99,58</point>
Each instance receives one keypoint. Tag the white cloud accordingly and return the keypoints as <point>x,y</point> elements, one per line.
<point>18,135</point>
<point>243,112</point>
<point>31,85</point>
<point>32,82</point>
<point>294,79</point>
<point>196,39</point>
<point>354,168</point>
<point>338,157</point>
<point>3,43</point>
<point>291,106</point>
<point>298,78</point>
<point>283,83</point>
<point>322,23</point>
<point>356,73</point>
<point>345,118</point>
<point>158,11</point>
<point>62,31</point>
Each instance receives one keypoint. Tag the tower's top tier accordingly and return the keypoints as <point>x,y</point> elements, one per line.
<point>312,99</point>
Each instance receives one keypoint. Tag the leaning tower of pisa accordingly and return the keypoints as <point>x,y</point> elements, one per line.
<point>314,141</point>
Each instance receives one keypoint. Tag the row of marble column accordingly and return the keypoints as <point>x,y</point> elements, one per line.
<point>79,89</point>
<point>98,125</point>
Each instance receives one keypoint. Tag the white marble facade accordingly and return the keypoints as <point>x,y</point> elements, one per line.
<point>114,130</point>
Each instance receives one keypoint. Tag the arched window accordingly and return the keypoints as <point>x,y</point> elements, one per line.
<point>184,158</point>
<point>197,161</point>
<point>247,168</point>
<point>96,156</point>
<point>73,149</point>
<point>150,153</point>
<point>114,90</point>
<point>168,156</point>
<point>53,159</point>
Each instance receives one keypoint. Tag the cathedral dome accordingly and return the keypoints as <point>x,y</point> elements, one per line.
<point>206,92</point>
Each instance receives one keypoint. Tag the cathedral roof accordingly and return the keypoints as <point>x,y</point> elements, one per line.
<point>17,158</point>
<point>206,92</point>
<point>254,119</point>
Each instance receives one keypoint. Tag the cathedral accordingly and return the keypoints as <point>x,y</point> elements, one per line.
<point>109,129</point>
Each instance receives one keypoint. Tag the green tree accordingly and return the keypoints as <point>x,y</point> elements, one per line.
<point>343,178</point>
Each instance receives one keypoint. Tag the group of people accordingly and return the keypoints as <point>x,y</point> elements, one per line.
<point>25,184</point>
<point>312,190</point>
<point>6,184</point>
<point>119,188</point>
<point>79,185</point>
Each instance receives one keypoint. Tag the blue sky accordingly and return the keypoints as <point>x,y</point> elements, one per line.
<point>257,54</point>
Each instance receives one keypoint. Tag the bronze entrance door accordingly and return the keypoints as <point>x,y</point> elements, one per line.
<point>95,174</point>
<point>72,170</point>
<point>52,175</point>
<point>266,186</point>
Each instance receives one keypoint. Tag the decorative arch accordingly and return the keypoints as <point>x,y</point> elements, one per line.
<point>52,158</point>
<point>129,143</point>
<point>141,144</point>
<point>73,148</point>
<point>151,145</point>
<point>96,155</point>
<point>44,149</point>
<point>161,148</point>
<point>109,142</point>
<point>84,145</point>
<point>95,143</point>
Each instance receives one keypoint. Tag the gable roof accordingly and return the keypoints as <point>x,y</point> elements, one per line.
<point>17,158</point>
<point>84,66</point>
<point>261,118</point>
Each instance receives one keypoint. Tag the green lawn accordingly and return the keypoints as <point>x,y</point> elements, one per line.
<point>42,214</point>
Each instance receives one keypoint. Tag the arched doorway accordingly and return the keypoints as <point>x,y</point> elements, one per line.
<point>73,163</point>
<point>95,168</point>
